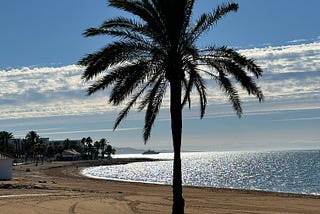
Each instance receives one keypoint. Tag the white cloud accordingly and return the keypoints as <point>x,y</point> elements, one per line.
<point>33,92</point>
<point>291,73</point>
<point>297,41</point>
<point>291,58</point>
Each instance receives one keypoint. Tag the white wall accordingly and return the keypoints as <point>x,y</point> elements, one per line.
<point>5,169</point>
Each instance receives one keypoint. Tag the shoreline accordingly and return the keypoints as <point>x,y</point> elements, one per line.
<point>67,189</point>
<point>138,159</point>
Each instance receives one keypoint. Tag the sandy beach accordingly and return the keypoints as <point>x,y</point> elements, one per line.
<point>58,187</point>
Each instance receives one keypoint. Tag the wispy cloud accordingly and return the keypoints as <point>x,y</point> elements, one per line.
<point>297,41</point>
<point>89,131</point>
<point>299,119</point>
<point>292,73</point>
<point>291,58</point>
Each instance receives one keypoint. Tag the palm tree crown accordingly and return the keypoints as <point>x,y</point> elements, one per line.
<point>159,50</point>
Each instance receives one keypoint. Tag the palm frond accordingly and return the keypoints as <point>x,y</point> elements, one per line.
<point>113,54</point>
<point>103,82</point>
<point>207,20</point>
<point>151,93</point>
<point>154,103</point>
<point>187,87</point>
<point>226,61</point>
<point>225,83</point>
<point>123,34</point>
<point>246,81</point>
<point>201,88</point>
<point>123,27</point>
<point>145,11</point>
<point>132,6</point>
<point>134,74</point>
<point>189,84</point>
<point>231,92</point>
<point>118,23</point>
<point>124,112</point>
<point>228,53</point>
<point>188,13</point>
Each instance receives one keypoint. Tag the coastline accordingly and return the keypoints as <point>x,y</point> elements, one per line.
<point>59,187</point>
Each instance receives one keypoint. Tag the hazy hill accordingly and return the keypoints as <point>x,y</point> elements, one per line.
<point>129,150</point>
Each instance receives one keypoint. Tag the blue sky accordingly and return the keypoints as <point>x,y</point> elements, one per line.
<point>42,33</point>
<point>41,89</point>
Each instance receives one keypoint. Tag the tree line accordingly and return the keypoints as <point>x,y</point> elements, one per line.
<point>33,147</point>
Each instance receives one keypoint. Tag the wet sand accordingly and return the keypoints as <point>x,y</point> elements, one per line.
<point>59,188</point>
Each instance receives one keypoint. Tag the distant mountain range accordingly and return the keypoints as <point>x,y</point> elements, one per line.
<point>129,150</point>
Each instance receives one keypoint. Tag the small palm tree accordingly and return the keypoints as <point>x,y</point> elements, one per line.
<point>84,146</point>
<point>66,144</point>
<point>157,51</point>
<point>110,151</point>
<point>90,148</point>
<point>103,142</point>
<point>4,141</point>
<point>31,140</point>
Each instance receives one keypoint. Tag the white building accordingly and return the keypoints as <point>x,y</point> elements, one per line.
<point>69,155</point>
<point>5,167</point>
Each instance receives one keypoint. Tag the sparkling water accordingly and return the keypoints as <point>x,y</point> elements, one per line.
<point>282,171</point>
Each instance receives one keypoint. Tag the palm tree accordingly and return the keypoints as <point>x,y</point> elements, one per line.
<point>157,51</point>
<point>31,141</point>
<point>84,147</point>
<point>103,142</point>
<point>96,146</point>
<point>66,144</point>
<point>89,141</point>
<point>4,141</point>
<point>83,141</point>
<point>39,149</point>
<point>89,146</point>
<point>110,150</point>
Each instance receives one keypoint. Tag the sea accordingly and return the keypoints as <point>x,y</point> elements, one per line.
<point>274,171</point>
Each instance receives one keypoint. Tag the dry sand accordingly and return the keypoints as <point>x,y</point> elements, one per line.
<point>58,187</point>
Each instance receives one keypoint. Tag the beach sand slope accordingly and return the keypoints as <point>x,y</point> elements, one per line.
<point>54,188</point>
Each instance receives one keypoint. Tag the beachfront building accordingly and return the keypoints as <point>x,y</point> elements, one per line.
<point>5,167</point>
<point>68,155</point>
<point>44,148</point>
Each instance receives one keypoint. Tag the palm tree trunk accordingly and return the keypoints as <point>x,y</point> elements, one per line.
<point>176,128</point>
